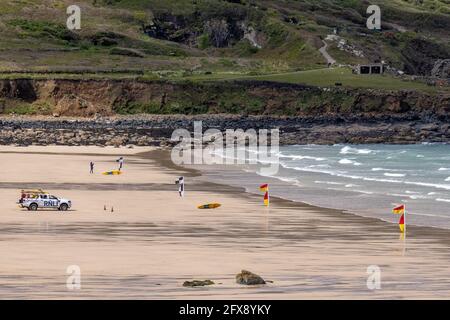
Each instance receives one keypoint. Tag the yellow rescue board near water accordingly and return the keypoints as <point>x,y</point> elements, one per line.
<point>209,206</point>
<point>112,173</point>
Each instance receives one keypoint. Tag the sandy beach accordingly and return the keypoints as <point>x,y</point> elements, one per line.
<point>154,240</point>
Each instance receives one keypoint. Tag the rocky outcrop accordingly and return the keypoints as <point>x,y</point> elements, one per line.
<point>420,55</point>
<point>441,69</point>
<point>108,97</point>
<point>198,283</point>
<point>23,89</point>
<point>155,130</point>
<point>304,114</point>
<point>249,278</point>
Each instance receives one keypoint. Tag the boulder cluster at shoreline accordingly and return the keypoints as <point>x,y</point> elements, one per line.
<point>149,130</point>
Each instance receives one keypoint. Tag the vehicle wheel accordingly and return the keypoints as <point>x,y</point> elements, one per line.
<point>63,207</point>
<point>33,207</point>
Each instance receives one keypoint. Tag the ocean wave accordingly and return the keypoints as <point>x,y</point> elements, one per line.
<point>398,195</point>
<point>431,185</point>
<point>387,174</point>
<point>348,161</point>
<point>363,191</point>
<point>246,160</point>
<point>350,150</point>
<point>299,157</point>
<point>443,169</point>
<point>345,175</point>
<point>442,200</point>
<point>417,197</point>
<point>319,166</point>
<point>394,170</point>
<point>410,196</point>
<point>329,182</point>
<point>309,169</point>
<point>287,179</point>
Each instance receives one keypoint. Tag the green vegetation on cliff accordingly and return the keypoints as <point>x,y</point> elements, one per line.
<point>217,42</point>
<point>192,35</point>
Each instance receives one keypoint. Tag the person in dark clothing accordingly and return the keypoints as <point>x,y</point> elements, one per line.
<point>91,165</point>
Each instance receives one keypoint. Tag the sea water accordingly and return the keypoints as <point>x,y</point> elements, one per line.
<point>368,180</point>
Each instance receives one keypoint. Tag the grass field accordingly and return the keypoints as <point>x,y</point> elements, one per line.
<point>320,78</point>
<point>328,78</point>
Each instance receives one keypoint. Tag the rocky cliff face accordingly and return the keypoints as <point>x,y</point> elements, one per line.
<point>441,69</point>
<point>304,114</point>
<point>86,98</point>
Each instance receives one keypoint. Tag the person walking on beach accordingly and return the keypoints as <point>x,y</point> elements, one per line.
<point>91,165</point>
<point>120,161</point>
<point>180,183</point>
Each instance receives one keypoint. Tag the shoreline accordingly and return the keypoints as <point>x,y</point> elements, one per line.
<point>156,130</point>
<point>163,159</point>
<point>155,240</point>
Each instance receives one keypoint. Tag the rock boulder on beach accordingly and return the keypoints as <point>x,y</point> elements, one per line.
<point>249,278</point>
<point>198,283</point>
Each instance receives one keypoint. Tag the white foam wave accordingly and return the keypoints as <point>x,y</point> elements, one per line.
<point>384,169</point>
<point>348,161</point>
<point>363,191</point>
<point>300,157</point>
<point>442,200</point>
<point>350,150</point>
<point>345,175</point>
<point>329,182</point>
<point>394,174</point>
<point>319,166</point>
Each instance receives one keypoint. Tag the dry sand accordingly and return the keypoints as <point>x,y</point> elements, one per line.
<point>155,240</point>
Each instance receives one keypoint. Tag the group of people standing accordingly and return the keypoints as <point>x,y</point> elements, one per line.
<point>179,182</point>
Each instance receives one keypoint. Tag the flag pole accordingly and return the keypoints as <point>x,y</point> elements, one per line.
<point>404,218</point>
<point>404,233</point>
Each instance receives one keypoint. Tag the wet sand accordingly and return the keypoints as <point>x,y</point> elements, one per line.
<point>155,240</point>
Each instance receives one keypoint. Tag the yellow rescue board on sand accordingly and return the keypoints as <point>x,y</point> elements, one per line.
<point>209,206</point>
<point>112,173</point>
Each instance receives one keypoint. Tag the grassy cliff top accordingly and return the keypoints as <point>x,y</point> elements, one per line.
<point>224,39</point>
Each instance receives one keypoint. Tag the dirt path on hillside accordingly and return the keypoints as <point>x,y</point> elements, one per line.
<point>325,54</point>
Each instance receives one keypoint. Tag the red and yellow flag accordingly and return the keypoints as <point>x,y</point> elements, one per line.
<point>266,199</point>
<point>399,210</point>
<point>265,188</point>
<point>401,223</point>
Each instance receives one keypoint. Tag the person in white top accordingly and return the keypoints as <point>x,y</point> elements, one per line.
<point>120,161</point>
<point>180,183</point>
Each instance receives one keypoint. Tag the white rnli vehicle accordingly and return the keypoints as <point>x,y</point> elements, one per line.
<point>42,200</point>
